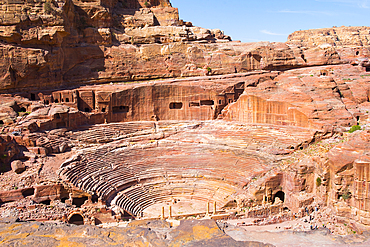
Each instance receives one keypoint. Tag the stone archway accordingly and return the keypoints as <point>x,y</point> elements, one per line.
<point>280,194</point>
<point>76,219</point>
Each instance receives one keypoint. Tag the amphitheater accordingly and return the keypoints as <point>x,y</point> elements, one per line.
<point>188,158</point>
<point>145,165</point>
<point>119,113</point>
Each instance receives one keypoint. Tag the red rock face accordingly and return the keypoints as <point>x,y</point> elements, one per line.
<point>350,44</point>
<point>254,106</point>
<point>106,41</point>
<point>342,36</point>
<point>252,109</point>
<point>349,170</point>
<point>303,97</point>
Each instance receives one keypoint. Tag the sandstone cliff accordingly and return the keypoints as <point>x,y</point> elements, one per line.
<point>68,43</point>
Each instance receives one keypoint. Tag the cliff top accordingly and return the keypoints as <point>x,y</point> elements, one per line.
<point>335,36</point>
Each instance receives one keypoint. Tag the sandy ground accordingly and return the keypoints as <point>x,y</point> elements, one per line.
<point>282,234</point>
<point>298,224</point>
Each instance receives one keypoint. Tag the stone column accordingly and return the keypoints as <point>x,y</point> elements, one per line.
<point>214,207</point>
<point>170,215</point>
<point>207,208</point>
<point>162,215</point>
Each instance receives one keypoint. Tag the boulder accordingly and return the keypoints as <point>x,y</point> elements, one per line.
<point>63,147</point>
<point>18,166</point>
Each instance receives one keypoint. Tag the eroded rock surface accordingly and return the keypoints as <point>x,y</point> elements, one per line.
<point>67,43</point>
<point>155,233</point>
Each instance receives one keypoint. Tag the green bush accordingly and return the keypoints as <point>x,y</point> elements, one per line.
<point>209,69</point>
<point>47,8</point>
<point>354,128</point>
<point>318,182</point>
<point>346,195</point>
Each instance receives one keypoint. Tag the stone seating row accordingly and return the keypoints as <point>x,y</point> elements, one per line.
<point>106,173</point>
<point>110,131</point>
<point>91,176</point>
<point>136,199</point>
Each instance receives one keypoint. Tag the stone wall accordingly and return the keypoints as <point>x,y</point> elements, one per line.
<point>362,185</point>
<point>164,103</point>
<point>184,100</point>
<point>252,109</point>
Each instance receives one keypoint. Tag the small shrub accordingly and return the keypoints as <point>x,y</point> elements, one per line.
<point>354,128</point>
<point>318,182</point>
<point>47,8</point>
<point>209,69</point>
<point>346,195</point>
<point>146,4</point>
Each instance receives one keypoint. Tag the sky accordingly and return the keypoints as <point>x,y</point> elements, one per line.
<point>272,20</point>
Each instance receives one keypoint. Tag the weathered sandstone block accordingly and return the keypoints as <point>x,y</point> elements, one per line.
<point>18,166</point>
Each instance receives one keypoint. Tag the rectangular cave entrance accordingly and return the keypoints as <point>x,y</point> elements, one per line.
<point>120,109</point>
<point>176,105</point>
<point>194,104</point>
<point>79,201</point>
<point>28,192</point>
<point>207,102</point>
<point>367,69</point>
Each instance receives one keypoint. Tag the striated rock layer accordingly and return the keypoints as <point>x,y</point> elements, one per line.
<point>69,43</point>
